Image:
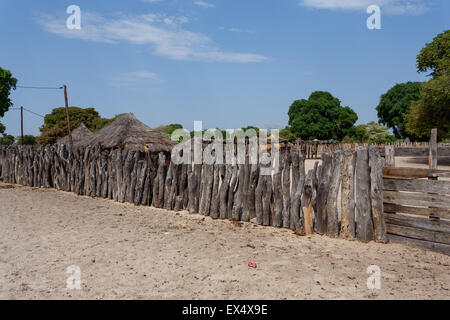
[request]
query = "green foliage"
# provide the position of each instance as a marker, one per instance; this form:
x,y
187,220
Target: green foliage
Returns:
x,y
55,123
6,140
28,140
395,104
168,129
435,55
7,83
432,110
2,128
320,117
371,132
287,134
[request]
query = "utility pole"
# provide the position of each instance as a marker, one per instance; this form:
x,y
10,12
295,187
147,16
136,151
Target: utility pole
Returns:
x,y
21,125
67,115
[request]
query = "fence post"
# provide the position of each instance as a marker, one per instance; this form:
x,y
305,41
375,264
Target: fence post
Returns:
x,y
389,156
432,157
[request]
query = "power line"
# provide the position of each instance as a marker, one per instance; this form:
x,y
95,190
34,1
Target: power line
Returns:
x,y
36,114
44,88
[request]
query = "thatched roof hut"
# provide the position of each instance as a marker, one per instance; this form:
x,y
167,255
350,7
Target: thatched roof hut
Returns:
x,y
78,135
128,132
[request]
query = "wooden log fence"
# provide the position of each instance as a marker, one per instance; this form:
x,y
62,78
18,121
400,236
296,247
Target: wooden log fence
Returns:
x,y
290,197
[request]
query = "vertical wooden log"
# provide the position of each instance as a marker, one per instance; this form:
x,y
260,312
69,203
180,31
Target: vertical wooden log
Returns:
x,y
348,196
298,181
158,186
307,201
246,190
223,191
238,200
206,188
259,193
219,173
433,156
168,185
376,194
146,193
389,156
277,196
286,189
120,157
182,185
333,225
322,194
364,224
232,191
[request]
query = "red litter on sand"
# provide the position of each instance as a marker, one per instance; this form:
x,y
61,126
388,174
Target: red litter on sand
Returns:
x,y
252,265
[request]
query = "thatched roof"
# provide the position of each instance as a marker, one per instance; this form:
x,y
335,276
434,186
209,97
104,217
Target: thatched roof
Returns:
x,y
78,135
128,132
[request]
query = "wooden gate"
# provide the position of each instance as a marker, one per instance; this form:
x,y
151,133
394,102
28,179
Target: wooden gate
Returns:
x,y
416,206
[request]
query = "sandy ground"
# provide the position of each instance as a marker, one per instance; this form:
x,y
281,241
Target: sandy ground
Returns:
x,y
130,252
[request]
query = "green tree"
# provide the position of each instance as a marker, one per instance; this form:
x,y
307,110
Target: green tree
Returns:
x,y
2,128
6,140
28,139
432,110
7,83
395,104
435,55
320,117
55,123
371,132
168,129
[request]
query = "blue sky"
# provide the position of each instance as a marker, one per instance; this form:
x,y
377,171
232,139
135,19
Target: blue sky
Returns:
x,y
230,63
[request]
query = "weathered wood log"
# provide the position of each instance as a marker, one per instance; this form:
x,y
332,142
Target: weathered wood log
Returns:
x,y
219,173
420,223
431,186
140,184
259,194
286,189
389,156
322,194
298,182
253,182
348,196
131,174
436,212
232,191
364,223
182,185
427,245
246,191
277,196
223,191
432,157
267,199
333,222
206,188
238,200
194,188
120,158
158,186
295,202
307,205
376,194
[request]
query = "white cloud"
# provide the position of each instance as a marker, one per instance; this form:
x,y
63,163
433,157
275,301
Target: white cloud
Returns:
x,y
132,79
204,4
165,34
399,7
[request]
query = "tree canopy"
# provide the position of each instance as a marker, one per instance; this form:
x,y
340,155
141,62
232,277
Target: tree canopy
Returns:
x,y
395,104
371,132
55,123
7,83
432,110
321,117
